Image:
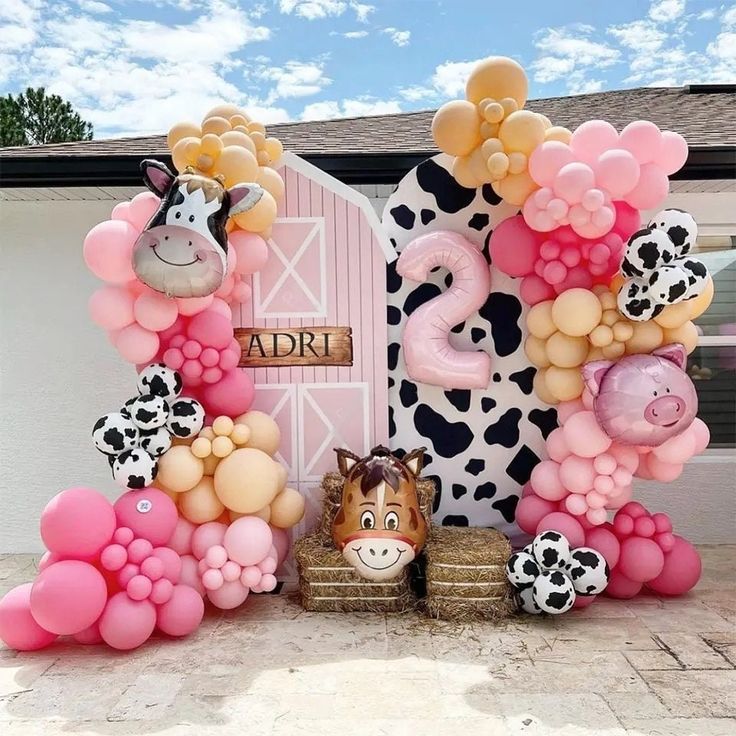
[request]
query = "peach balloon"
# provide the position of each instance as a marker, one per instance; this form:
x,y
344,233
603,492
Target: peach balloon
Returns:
x,y
577,312
216,124
515,188
497,77
237,165
564,384
265,434
456,128
522,131
179,470
541,389
674,315
237,138
700,303
566,351
287,508
247,480
201,504
271,181
274,148
647,336
184,129
259,217
686,335
226,110
185,152
539,320
536,350
264,513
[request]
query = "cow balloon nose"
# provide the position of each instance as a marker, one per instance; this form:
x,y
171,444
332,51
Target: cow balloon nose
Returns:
x,y
665,410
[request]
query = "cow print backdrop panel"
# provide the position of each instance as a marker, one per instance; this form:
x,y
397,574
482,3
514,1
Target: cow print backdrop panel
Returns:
x,y
482,444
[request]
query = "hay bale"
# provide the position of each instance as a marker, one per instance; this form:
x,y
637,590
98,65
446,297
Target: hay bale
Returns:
x,y
466,579
328,583
332,495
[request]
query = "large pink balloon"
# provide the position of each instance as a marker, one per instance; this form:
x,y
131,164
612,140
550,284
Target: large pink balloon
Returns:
x,y
681,570
641,559
584,436
546,160
181,539
77,522
136,344
125,623
232,395
592,138
248,540
577,474
651,190
182,613
617,171
207,535
514,247
604,541
68,596
18,628
531,510
643,139
190,574
111,307
251,251
566,525
155,311
545,480
194,305
149,512
108,250
429,356
672,152
619,586
230,595
572,181
141,209
211,329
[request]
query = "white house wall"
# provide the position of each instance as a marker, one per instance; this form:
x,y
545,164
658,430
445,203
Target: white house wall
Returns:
x,y
58,372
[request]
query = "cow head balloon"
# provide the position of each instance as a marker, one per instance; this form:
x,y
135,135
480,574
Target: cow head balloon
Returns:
x,y
182,252
643,399
379,527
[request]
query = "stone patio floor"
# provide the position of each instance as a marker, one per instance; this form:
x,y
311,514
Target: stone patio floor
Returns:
x,y
647,666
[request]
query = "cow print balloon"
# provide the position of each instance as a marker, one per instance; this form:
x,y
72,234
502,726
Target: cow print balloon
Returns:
x,y
186,418
134,469
588,571
155,441
159,380
647,249
521,570
553,592
551,550
680,227
125,411
525,601
149,412
114,433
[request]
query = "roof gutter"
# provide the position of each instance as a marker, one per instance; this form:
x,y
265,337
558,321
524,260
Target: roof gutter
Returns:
x,y
706,162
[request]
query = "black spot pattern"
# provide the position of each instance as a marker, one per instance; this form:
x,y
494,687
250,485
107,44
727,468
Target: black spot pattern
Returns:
x,y
455,520
479,220
505,431
393,280
458,491
393,315
486,490
477,334
545,419
427,216
475,466
490,195
503,312
393,355
403,216
422,294
448,438
507,507
524,379
408,393
391,422
520,468
459,398
557,600
487,403
448,194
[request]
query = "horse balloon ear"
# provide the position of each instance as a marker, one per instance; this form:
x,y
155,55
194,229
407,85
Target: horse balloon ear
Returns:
x,y
346,460
157,177
244,197
414,461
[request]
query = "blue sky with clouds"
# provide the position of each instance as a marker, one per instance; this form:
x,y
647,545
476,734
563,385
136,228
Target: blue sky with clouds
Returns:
x,y
137,66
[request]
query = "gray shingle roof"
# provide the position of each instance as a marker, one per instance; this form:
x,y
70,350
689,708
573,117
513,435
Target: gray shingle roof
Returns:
x,y
704,115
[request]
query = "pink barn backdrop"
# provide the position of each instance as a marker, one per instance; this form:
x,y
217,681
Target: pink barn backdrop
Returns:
x,y
327,267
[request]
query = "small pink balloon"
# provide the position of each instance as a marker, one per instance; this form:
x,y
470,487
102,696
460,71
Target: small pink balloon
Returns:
x,y
545,480
619,586
152,568
171,562
48,558
216,556
566,525
230,595
596,500
190,574
108,250
268,566
583,601
111,307
644,527
241,293
206,536
136,344
142,208
531,510
535,289
18,629
661,522
181,539
268,582
231,396
77,522
114,557
605,542
651,190
161,591
584,436
546,160
174,358
576,504
139,587
191,369
149,512
223,292
251,576
211,375
251,251
603,484
123,535
189,306
191,349
155,311
681,570
120,211
666,541
212,579
641,559
88,636
577,474
230,571
138,550
210,329
209,357
68,596
596,516
672,152
127,573
605,464
592,138
248,540
125,623
182,613
572,181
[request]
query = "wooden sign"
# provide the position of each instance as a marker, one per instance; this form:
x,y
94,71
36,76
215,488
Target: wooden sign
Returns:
x,y
276,348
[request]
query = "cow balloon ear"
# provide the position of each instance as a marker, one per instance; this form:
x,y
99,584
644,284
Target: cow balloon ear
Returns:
x,y
414,461
674,352
157,177
244,197
593,374
346,460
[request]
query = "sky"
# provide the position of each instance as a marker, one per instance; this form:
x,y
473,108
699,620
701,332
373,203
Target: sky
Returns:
x,y
136,67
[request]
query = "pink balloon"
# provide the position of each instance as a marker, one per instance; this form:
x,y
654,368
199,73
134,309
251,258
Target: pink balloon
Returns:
x,y
628,220
251,251
592,138
111,307
108,250
222,308
681,570
643,139
211,329
545,480
514,247
604,541
566,525
531,510
281,543
566,409
267,584
181,539
207,535
672,152
141,209
125,623
678,449
429,356
68,596
535,289
702,435
190,574
248,540
171,562
251,576
194,305
641,559
155,312
149,512
182,613
617,171
556,446
584,436
661,470
88,636
18,628
241,293
47,559
136,344
572,181
223,292
583,601
77,522
577,474
546,160
651,190
619,586
230,595
231,396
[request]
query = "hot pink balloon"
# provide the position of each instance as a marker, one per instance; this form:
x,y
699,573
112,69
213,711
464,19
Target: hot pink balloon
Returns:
x,y
651,190
221,307
231,396
251,251
88,636
604,541
149,512
535,289
68,596
592,138
619,586
583,601
190,574
681,570
170,560
211,329
111,307
136,344
514,247
181,539
531,510
229,596
155,312
18,629
672,153
248,540
427,351
108,250
125,623
546,160
628,220
182,613
566,525
641,559
617,171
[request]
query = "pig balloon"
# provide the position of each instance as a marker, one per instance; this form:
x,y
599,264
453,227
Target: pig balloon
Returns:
x,y
643,399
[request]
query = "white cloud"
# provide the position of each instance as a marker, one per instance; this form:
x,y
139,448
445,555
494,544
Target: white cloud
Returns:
x,y
295,79
708,14
362,11
577,84
313,9
729,17
349,108
664,11
640,35
400,38
417,92
93,6
450,77
18,24
355,34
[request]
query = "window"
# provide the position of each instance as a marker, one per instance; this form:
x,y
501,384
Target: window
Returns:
x,y
712,365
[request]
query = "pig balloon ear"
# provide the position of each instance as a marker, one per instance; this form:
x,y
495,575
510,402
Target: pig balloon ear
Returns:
x,y
157,177
414,461
593,374
346,460
674,352
244,197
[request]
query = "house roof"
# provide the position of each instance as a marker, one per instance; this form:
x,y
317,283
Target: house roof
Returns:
x,y
365,148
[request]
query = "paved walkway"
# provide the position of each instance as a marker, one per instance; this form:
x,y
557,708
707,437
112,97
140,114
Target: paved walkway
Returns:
x,y
649,666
